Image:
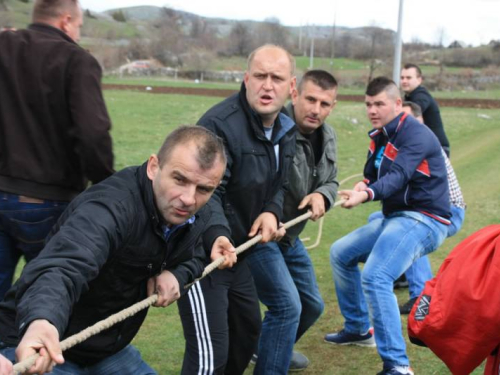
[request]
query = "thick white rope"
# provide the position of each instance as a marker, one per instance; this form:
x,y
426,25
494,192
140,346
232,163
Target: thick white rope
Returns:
x,y
71,341
320,224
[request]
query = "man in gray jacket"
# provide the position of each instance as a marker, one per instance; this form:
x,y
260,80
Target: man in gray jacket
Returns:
x,y
286,282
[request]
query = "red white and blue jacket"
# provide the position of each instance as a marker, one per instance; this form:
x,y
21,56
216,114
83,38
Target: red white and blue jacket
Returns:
x,y
411,173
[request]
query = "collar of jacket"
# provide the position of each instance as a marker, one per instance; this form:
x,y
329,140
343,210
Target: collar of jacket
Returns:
x,y
48,29
146,186
417,90
391,128
283,124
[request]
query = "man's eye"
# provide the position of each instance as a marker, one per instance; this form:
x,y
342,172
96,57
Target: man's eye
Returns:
x,y
204,190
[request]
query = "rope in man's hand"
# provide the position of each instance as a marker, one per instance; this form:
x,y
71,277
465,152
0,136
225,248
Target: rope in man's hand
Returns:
x,y
25,365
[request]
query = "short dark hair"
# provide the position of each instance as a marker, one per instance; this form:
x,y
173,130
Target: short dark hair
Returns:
x,y
209,145
379,84
414,66
320,78
416,110
52,9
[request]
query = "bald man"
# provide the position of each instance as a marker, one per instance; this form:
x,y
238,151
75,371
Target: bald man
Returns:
x,y
221,313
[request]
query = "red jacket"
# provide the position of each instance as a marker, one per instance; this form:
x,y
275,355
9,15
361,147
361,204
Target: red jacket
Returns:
x,y
458,313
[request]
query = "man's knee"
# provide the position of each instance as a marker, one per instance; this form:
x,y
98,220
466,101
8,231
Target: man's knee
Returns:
x,y
313,308
375,278
339,254
286,305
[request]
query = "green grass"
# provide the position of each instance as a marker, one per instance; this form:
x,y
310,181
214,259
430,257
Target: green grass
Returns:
x,y
469,94
168,82
141,121
326,63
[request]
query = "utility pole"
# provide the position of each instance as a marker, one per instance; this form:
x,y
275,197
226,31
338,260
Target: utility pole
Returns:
x,y
311,52
332,54
396,72
300,37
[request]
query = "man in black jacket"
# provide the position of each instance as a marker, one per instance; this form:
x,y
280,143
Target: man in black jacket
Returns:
x,y
54,128
411,84
104,253
221,314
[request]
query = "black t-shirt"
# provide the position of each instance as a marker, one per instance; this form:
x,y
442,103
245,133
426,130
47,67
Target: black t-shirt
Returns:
x,y
316,140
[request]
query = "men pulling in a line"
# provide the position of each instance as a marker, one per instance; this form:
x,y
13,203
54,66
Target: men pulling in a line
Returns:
x,y
283,271
405,170
221,313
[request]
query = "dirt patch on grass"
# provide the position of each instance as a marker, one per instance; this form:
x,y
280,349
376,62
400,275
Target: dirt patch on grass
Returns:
x,y
462,103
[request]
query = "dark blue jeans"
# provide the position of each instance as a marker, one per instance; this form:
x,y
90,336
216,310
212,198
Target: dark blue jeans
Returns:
x,y
287,285
127,361
23,228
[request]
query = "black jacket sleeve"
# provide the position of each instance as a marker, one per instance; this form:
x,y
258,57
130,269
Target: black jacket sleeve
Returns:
x,y
91,123
54,281
219,225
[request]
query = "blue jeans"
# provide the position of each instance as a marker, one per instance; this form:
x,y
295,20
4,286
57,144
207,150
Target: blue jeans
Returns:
x,y
23,228
127,361
387,247
420,271
286,284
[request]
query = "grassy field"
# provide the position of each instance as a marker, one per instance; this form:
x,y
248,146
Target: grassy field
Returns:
x,y
170,82
141,121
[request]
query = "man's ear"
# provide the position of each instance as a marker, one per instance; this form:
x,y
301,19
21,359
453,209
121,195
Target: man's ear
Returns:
x,y
293,84
295,96
64,21
153,167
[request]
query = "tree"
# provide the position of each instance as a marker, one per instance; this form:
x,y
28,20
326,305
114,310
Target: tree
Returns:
x,y
167,39
119,16
240,39
88,14
271,31
199,60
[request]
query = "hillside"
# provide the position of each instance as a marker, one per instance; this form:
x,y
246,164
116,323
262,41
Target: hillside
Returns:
x,y
223,26
15,13
195,45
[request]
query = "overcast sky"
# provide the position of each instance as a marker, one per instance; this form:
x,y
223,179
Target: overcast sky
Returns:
x,y
471,21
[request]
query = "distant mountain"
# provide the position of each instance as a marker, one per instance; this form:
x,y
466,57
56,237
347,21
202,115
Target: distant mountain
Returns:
x,y
223,26
138,13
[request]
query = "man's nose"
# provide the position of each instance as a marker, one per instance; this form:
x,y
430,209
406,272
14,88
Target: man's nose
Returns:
x,y
316,108
268,83
188,196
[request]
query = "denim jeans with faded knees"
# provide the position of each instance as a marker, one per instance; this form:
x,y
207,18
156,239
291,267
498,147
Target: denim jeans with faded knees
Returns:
x,y
420,271
23,228
127,361
286,285
387,247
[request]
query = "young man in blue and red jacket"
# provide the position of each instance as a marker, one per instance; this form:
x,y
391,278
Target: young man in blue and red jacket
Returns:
x,y
406,171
